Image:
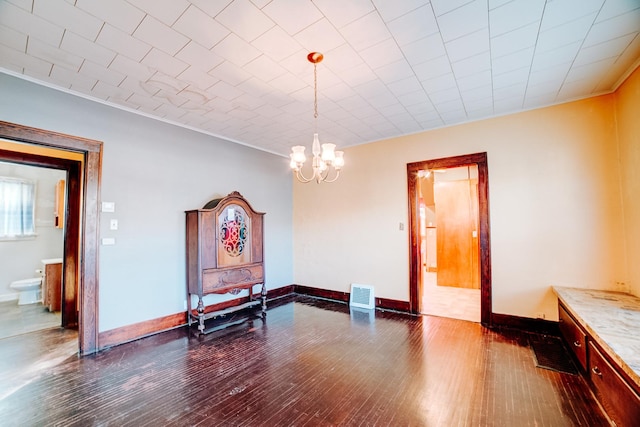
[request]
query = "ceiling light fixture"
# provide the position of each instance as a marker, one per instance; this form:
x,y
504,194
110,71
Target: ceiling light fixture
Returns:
x,y
324,159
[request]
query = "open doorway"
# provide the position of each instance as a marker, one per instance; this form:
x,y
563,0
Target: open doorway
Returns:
x,y
80,261
449,246
461,274
31,248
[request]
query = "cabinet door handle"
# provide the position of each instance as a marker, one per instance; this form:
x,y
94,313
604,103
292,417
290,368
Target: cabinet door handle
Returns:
x,y
596,371
577,344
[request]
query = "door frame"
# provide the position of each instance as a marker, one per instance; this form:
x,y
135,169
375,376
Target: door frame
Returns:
x,y
81,224
415,270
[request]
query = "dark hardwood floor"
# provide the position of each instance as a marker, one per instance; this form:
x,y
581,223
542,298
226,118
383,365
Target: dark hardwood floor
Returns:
x,y
309,364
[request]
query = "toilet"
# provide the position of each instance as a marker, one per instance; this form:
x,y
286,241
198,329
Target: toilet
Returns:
x,y
28,290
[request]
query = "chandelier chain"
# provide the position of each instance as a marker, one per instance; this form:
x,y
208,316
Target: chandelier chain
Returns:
x,y
315,91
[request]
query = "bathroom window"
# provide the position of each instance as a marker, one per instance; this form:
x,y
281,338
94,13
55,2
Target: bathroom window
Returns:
x,y
17,208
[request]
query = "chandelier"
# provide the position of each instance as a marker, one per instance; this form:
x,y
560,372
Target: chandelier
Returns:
x,y
324,160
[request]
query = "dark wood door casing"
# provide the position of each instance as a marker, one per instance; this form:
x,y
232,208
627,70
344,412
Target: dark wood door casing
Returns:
x,y
415,275
82,220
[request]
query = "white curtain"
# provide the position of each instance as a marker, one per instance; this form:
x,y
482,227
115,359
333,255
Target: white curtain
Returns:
x,y
16,207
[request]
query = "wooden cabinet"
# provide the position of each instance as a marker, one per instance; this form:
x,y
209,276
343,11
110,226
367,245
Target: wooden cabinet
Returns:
x,y
620,402
619,399
224,255
574,336
52,284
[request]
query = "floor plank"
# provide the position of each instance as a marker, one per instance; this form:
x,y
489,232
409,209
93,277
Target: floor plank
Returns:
x,y
310,364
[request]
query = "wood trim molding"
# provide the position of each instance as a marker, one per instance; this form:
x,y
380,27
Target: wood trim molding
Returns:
x,y
136,331
81,233
538,326
415,270
382,303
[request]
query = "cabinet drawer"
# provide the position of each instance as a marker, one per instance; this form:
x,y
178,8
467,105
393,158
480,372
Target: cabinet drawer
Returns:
x,y
620,402
224,280
575,337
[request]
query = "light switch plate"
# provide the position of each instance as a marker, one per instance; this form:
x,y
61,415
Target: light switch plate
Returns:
x,y
108,207
108,241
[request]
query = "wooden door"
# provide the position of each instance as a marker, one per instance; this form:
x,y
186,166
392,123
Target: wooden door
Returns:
x,y
457,236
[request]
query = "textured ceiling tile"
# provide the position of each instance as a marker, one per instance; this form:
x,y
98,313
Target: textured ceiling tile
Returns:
x,y
393,72
424,50
244,19
264,68
199,57
445,81
444,6
612,8
342,12
366,31
200,27
54,55
13,39
82,47
236,50
510,78
560,55
381,54
320,36
292,16
79,81
277,44
167,64
390,10
604,50
118,13
230,73
20,60
160,36
614,28
472,81
514,15
471,65
464,20
358,75
562,35
414,25
211,8
19,20
119,41
72,18
514,41
516,60
128,67
434,68
469,45
407,85
561,12
99,72
198,78
166,11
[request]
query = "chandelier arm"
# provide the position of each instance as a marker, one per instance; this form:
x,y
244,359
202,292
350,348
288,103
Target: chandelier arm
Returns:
x,y
300,176
329,181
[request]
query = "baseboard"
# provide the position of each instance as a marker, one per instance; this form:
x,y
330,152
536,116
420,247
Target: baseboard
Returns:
x,y
9,297
382,303
527,324
136,331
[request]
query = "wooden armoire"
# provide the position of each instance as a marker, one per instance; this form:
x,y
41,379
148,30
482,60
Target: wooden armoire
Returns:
x,y
224,255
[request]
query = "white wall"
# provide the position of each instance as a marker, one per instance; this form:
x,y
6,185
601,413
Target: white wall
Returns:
x,y
554,198
153,172
19,259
